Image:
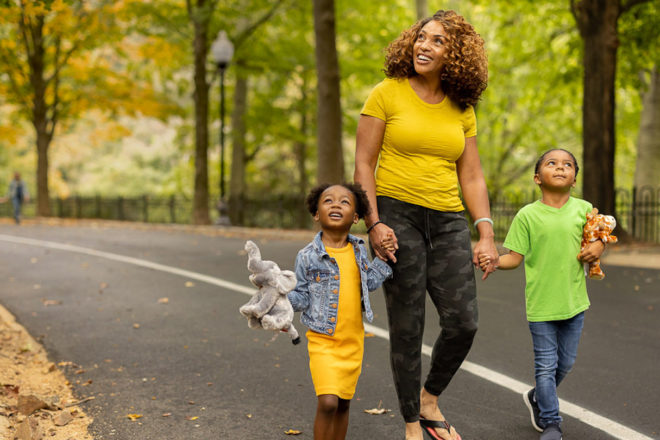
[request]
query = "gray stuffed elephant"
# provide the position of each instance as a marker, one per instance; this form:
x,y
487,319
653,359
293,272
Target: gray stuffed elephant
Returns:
x,y
269,308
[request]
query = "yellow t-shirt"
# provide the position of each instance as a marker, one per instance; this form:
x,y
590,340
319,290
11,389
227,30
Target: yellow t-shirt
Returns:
x,y
422,142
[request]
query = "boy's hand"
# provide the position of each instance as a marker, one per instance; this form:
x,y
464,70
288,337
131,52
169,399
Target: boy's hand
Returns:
x,y
591,252
484,261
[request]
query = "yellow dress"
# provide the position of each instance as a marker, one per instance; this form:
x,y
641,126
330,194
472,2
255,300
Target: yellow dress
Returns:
x,y
336,361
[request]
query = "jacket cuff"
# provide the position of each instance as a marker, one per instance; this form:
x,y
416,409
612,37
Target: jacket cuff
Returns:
x,y
382,267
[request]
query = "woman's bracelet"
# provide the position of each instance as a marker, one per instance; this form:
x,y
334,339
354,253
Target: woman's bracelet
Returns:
x,y
482,219
372,226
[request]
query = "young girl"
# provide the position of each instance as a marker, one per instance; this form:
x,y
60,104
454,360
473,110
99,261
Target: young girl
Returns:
x,y
334,279
547,235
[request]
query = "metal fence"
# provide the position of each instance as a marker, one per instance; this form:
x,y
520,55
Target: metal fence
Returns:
x,y
638,211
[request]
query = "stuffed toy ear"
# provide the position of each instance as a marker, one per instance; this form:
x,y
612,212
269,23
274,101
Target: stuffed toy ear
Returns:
x,y
286,282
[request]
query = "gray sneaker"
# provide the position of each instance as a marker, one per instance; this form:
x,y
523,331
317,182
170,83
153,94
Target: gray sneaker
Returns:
x,y
530,402
551,432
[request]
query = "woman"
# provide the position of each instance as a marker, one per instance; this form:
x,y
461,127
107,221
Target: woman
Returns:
x,y
419,126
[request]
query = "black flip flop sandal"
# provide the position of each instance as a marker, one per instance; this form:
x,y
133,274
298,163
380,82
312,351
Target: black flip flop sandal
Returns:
x,y
429,427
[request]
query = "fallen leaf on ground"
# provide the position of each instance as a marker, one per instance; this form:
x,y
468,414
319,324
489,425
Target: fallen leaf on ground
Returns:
x,y
51,302
62,419
293,432
378,410
9,389
190,284
192,418
163,300
136,325
134,417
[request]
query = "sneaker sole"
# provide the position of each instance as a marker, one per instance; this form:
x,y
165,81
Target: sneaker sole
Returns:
x,y
531,411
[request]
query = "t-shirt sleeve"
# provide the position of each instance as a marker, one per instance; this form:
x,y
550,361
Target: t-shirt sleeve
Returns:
x,y
517,239
470,122
375,104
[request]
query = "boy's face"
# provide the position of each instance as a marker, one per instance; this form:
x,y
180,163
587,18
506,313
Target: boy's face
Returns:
x,y
557,171
336,209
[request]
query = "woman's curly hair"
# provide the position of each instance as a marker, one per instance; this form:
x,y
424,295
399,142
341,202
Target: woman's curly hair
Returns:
x,y
465,73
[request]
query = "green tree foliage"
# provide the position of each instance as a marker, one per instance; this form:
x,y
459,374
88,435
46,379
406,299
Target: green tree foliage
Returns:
x,y
146,59
532,100
58,62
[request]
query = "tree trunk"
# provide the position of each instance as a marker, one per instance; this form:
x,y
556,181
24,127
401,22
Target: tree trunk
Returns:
x,y
648,143
43,193
40,119
300,151
201,96
238,159
597,22
647,178
422,9
330,154
300,146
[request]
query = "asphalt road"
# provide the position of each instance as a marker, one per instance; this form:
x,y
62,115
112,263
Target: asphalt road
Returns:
x,y
195,360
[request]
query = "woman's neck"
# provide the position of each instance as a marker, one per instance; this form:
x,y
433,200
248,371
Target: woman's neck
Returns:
x,y
427,88
334,239
555,199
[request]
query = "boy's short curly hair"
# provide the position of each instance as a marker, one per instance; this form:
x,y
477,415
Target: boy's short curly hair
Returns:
x,y
537,167
465,74
362,207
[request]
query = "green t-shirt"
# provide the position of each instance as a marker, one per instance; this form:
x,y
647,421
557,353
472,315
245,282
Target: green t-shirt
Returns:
x,y
549,239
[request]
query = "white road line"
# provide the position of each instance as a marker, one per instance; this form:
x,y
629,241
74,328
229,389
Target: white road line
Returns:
x,y
611,427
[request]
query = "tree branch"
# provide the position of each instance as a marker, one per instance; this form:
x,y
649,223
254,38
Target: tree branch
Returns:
x,y
627,6
14,85
240,39
22,28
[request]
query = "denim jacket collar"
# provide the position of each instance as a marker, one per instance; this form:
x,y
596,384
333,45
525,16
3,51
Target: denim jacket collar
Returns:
x,y
319,247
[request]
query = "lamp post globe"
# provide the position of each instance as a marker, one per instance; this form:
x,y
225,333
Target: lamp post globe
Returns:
x,y
222,50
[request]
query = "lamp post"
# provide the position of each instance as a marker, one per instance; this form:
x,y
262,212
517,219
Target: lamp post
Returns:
x,y
221,51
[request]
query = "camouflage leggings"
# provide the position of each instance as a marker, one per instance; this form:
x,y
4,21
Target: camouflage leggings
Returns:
x,y
434,255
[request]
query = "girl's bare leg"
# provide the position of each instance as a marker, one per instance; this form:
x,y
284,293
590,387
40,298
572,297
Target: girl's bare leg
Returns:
x,y
331,422
341,419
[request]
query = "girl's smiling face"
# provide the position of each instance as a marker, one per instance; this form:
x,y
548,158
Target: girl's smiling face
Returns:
x,y
336,208
556,170
430,48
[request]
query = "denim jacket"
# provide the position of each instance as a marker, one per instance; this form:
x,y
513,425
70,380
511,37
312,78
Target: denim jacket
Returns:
x,y
317,291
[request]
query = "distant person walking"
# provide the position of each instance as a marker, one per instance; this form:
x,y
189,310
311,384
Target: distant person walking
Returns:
x,y
18,194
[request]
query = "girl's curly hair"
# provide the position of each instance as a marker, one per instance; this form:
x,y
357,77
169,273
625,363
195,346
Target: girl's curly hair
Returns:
x,y
465,73
362,207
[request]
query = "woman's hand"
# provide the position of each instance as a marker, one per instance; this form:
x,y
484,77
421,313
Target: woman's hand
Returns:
x,y
486,250
384,242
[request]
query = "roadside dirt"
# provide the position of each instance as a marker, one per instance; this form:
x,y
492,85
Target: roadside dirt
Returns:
x,y
36,401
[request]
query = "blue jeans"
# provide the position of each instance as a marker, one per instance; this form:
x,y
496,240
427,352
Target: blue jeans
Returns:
x,y
16,202
555,350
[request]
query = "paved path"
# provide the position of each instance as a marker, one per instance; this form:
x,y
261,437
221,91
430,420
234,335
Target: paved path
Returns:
x,y
195,357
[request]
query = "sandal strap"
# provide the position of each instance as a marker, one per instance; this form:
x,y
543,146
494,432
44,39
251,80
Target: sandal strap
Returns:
x,y
443,424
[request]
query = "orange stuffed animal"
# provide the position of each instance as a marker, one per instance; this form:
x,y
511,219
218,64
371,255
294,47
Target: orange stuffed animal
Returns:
x,y
598,227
